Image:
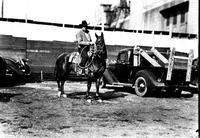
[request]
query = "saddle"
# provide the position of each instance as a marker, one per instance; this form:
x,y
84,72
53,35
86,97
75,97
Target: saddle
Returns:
x,y
75,58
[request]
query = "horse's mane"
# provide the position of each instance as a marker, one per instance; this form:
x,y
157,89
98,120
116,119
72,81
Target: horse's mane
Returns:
x,y
62,55
101,48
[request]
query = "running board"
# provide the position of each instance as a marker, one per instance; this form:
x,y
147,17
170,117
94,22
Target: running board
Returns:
x,y
123,84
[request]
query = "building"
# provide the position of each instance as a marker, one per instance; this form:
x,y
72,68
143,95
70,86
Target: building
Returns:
x,y
116,16
164,15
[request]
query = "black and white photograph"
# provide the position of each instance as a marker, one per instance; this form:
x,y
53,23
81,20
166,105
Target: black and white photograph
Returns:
x,y
99,69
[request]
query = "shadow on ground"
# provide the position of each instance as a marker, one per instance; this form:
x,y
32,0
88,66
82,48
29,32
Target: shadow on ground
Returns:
x,y
158,94
5,97
105,96
173,95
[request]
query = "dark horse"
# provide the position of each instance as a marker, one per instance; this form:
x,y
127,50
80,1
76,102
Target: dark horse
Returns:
x,y
96,67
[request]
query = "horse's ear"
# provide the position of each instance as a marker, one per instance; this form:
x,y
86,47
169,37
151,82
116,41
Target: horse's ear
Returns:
x,y
102,34
96,35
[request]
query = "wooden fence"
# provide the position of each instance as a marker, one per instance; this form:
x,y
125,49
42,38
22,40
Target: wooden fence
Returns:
x,y
42,54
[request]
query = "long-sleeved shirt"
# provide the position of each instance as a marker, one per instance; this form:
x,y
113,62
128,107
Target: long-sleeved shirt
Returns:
x,y
83,38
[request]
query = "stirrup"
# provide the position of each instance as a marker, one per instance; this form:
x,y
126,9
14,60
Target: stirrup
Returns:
x,y
79,71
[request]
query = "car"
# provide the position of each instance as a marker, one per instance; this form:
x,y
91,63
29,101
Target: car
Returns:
x,y
17,70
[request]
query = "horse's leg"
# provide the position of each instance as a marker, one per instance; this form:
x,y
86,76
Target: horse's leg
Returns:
x,y
97,90
62,88
59,88
58,83
89,83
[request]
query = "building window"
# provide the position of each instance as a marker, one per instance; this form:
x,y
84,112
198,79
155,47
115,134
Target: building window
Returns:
x,y
174,19
122,57
168,21
182,17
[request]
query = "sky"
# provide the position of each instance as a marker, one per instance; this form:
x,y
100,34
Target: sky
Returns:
x,y
62,11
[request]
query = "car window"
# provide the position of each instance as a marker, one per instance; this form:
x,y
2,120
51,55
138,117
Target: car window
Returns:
x,y
122,57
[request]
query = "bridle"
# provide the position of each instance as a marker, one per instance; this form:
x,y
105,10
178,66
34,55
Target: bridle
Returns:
x,y
94,52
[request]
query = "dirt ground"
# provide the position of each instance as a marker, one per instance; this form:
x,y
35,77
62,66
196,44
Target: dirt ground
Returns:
x,y
34,110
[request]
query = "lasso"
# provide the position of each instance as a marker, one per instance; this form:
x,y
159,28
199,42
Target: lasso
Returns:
x,y
93,51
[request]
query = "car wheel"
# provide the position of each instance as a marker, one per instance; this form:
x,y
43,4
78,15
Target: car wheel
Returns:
x,y
141,88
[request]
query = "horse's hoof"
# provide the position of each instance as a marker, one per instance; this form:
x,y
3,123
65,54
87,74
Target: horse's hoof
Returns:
x,y
59,94
64,95
89,100
100,100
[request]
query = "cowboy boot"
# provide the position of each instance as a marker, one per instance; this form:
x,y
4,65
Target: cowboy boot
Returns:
x,y
79,71
83,72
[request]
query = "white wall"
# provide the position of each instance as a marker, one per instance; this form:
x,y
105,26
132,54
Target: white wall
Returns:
x,y
50,33
136,15
193,16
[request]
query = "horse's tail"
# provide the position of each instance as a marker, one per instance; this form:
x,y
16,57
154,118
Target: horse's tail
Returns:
x,y
60,63
56,70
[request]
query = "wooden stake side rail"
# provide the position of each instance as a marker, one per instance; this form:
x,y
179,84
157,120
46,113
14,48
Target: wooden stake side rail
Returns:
x,y
171,64
159,55
189,65
181,61
149,59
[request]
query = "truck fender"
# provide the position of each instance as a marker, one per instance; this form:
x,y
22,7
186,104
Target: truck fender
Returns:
x,y
150,77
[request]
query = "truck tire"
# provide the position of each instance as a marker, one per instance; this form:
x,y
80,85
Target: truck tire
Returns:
x,y
141,86
144,83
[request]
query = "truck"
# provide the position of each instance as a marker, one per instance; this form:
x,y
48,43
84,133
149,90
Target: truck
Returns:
x,y
150,69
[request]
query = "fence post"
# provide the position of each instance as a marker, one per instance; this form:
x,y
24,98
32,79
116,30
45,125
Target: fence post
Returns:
x,y
41,75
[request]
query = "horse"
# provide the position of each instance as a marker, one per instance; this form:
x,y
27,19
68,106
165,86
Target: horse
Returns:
x,y
96,67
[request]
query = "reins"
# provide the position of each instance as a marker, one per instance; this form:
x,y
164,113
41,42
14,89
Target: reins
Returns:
x,y
93,53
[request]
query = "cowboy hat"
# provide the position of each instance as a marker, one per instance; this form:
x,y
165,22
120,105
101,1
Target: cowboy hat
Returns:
x,y
84,24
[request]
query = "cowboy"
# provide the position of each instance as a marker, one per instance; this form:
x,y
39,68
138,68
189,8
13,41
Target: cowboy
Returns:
x,y
84,41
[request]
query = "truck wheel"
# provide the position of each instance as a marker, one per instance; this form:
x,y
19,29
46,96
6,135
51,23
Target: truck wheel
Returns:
x,y
141,88
102,82
144,83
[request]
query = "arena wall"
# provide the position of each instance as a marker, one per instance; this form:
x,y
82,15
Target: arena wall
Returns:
x,y
42,43
42,54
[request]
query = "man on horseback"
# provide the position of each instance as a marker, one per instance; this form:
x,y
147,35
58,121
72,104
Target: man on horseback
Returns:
x,y
96,66
84,41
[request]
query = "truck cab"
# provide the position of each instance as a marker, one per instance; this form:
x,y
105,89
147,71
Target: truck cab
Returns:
x,y
123,65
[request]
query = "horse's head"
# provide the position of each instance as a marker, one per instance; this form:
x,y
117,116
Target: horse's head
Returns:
x,y
100,46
